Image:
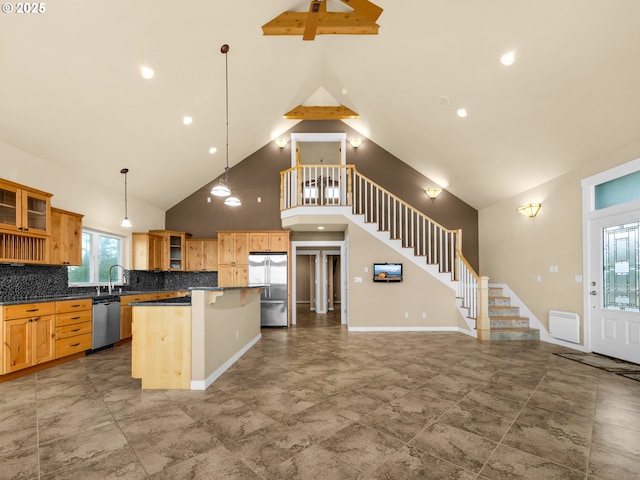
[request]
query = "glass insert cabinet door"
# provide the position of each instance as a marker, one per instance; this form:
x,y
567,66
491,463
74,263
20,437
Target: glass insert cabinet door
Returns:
x,y
24,210
621,267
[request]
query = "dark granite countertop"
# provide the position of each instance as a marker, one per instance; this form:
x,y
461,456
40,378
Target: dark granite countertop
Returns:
x,y
222,289
103,295
166,302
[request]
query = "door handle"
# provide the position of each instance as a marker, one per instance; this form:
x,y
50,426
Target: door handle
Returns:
x,y
593,292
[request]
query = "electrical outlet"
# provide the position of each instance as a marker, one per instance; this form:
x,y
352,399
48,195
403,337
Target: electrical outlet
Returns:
x,y
424,314
406,314
237,334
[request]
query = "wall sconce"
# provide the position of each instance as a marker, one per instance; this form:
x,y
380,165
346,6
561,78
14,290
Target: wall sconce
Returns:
x,y
355,142
530,210
432,193
281,142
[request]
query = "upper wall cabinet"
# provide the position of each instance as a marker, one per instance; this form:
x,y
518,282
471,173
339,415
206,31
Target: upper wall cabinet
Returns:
x,y
24,209
159,250
277,241
147,251
202,255
66,238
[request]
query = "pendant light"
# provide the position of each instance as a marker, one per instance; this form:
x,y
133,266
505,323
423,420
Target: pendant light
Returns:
x,y
125,221
223,189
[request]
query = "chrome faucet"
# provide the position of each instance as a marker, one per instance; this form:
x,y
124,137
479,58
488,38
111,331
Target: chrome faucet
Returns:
x,y
110,268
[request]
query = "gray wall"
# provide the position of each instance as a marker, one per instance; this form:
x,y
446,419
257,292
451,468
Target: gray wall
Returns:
x,y
259,176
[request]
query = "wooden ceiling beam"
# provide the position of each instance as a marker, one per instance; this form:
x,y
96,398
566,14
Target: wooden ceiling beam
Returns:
x,y
302,112
329,23
312,21
365,8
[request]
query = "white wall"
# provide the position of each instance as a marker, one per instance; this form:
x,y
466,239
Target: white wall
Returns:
x,y
381,305
103,208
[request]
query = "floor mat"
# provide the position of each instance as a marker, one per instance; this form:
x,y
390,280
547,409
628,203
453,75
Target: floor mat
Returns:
x,y
613,365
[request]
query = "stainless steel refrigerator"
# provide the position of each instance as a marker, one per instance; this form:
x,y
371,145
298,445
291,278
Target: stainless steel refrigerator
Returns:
x,y
271,269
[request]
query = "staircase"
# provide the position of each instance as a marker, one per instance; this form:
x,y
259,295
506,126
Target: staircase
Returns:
x,y
506,322
435,248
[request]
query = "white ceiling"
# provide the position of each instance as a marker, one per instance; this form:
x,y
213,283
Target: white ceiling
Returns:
x,y
71,92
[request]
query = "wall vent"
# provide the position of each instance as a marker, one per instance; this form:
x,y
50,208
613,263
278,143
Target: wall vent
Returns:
x,y
564,326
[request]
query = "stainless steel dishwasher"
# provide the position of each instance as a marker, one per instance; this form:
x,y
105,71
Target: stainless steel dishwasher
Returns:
x,y
106,322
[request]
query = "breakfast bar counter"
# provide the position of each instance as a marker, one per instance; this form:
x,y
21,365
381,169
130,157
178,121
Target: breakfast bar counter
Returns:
x,y
188,342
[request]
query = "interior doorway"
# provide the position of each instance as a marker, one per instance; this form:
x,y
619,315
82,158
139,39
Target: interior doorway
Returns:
x,y
319,279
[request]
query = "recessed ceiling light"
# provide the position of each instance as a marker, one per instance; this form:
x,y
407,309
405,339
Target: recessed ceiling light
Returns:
x,y
187,120
320,227
508,58
213,150
462,112
146,72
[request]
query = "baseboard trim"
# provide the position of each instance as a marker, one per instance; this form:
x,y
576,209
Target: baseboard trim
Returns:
x,y
204,384
409,329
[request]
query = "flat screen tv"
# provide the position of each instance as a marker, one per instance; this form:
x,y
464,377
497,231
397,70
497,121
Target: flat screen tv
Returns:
x,y
387,272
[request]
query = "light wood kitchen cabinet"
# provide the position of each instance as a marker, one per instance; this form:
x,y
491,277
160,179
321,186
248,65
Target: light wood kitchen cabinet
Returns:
x,y
147,251
202,255
174,250
24,209
29,335
269,241
159,250
233,259
66,238
73,326
126,317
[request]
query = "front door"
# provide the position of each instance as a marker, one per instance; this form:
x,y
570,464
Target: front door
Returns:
x,y
614,290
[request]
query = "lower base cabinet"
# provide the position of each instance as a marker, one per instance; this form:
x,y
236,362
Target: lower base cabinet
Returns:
x,y
126,313
28,342
29,335
73,326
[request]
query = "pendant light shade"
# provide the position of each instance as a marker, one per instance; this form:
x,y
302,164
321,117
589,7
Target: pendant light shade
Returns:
x,y
223,188
125,221
232,201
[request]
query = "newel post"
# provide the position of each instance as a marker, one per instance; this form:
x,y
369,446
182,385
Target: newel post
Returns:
x,y
483,325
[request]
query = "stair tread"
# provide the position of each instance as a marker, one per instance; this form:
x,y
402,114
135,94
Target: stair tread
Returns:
x,y
515,329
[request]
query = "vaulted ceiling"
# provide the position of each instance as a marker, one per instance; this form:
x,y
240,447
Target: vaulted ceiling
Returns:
x,y
71,90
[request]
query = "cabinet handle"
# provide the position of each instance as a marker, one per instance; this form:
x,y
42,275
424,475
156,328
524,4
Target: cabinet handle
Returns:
x,y
75,306
33,310
75,318
75,330
74,345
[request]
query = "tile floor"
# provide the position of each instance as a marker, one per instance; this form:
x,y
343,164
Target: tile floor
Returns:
x,y
317,402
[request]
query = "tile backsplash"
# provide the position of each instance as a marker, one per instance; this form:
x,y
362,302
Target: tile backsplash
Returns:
x,y
38,281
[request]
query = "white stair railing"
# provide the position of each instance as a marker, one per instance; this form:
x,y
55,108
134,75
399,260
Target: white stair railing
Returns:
x,y
342,185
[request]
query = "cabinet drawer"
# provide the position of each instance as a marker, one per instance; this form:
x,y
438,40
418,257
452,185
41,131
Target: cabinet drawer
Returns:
x,y
72,318
73,330
23,310
71,345
73,305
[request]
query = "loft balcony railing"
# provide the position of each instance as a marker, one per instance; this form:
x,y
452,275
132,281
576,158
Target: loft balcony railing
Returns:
x,y
343,186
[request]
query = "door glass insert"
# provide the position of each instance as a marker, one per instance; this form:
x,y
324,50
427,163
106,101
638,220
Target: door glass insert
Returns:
x,y
621,267
36,213
8,207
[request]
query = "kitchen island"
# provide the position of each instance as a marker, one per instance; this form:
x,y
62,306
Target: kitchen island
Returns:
x,y
188,342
